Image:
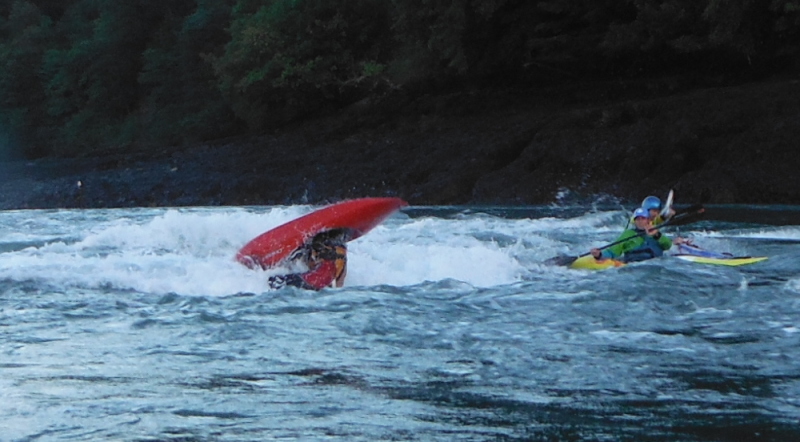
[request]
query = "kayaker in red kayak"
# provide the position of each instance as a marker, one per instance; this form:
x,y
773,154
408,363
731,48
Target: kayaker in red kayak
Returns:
x,y
326,259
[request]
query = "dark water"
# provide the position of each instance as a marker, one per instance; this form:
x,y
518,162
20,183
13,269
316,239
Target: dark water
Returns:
x,y
138,325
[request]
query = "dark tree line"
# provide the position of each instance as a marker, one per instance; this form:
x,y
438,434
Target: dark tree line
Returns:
x,y
84,76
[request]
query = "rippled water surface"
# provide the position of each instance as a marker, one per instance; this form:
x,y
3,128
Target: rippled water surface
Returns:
x,y
139,325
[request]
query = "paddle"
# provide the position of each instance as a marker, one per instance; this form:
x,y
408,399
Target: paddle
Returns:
x,y
685,216
668,204
678,219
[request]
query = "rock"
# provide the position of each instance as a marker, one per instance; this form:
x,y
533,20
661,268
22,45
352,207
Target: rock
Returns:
x,y
717,145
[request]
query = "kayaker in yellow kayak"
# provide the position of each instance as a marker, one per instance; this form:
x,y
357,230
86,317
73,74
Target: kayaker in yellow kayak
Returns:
x,y
653,206
645,242
654,209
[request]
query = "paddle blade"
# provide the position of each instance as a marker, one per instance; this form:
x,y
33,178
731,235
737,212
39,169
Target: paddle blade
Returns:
x,y
668,204
687,215
561,260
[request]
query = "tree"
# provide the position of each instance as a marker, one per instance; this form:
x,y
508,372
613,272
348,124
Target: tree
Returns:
x,y
287,58
182,101
721,35
26,34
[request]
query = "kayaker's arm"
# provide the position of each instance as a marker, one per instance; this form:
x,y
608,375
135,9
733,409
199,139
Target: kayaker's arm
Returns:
x,y
663,241
621,246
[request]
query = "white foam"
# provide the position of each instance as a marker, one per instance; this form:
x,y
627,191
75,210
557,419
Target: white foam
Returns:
x,y
381,262
774,233
191,251
174,251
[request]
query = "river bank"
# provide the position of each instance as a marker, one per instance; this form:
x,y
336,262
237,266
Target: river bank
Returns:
x,y
584,142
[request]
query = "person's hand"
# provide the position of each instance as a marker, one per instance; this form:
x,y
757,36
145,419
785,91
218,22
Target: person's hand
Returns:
x,y
596,253
652,231
678,241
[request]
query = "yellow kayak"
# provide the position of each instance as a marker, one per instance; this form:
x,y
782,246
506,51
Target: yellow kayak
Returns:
x,y
732,261
693,253
589,263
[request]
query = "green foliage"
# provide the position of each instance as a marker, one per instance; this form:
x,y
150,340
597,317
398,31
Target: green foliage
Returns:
x,y
286,57
91,81
86,75
660,28
723,32
372,69
735,24
429,33
26,33
496,39
787,27
435,27
567,34
182,103
21,52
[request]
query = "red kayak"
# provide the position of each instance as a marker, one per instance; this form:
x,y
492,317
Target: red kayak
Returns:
x,y
357,217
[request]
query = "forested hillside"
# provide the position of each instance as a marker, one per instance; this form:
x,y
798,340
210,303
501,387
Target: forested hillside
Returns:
x,y
86,77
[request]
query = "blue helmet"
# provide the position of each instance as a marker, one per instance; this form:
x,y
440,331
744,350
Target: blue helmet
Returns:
x,y
651,202
641,211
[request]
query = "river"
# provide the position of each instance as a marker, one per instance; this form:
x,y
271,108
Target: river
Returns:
x,y
138,324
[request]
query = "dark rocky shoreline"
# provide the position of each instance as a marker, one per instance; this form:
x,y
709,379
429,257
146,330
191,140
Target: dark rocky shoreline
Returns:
x,y
725,144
